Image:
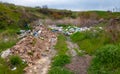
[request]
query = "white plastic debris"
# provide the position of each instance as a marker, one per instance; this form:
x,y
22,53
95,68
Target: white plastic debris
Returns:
x,y
5,53
14,68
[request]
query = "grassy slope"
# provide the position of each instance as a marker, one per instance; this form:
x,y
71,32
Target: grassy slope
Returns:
x,y
103,14
10,16
89,41
11,21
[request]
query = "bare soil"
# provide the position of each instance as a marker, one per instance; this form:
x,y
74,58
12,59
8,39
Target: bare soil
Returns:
x,y
79,64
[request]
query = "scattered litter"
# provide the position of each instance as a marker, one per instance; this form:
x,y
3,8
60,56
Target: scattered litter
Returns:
x,y
70,29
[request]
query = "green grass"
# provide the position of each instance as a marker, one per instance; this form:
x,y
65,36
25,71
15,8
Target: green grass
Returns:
x,y
59,70
106,53
14,17
11,37
5,45
15,60
61,59
106,60
61,45
89,41
79,52
6,66
100,14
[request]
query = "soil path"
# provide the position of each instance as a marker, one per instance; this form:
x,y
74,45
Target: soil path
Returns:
x,y
79,64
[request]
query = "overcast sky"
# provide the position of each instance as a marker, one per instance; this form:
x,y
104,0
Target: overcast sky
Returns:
x,y
78,5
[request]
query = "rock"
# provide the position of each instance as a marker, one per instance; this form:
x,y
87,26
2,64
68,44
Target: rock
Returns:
x,y
5,53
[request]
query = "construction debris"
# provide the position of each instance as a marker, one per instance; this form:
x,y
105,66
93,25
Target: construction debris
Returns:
x,y
34,45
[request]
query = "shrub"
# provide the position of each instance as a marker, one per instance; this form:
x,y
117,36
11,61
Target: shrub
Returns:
x,y
61,60
15,60
107,60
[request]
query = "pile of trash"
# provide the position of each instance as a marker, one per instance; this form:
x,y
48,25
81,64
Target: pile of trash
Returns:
x,y
33,46
23,33
27,49
73,29
70,29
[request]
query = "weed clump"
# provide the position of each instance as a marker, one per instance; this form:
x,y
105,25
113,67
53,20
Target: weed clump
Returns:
x,y
59,70
61,60
15,60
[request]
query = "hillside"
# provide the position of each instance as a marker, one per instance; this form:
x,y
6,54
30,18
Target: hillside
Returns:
x,y
17,16
40,40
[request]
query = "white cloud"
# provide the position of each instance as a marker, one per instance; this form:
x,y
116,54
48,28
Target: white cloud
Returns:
x,y
70,4
38,2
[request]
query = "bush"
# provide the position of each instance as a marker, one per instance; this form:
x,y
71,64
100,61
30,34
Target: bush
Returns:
x,y
15,60
107,60
109,54
59,70
61,60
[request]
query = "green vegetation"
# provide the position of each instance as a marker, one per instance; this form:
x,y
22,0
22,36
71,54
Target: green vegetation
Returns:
x,y
88,40
59,70
99,14
7,39
79,52
99,44
61,59
14,61
5,45
93,42
61,45
11,21
106,61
